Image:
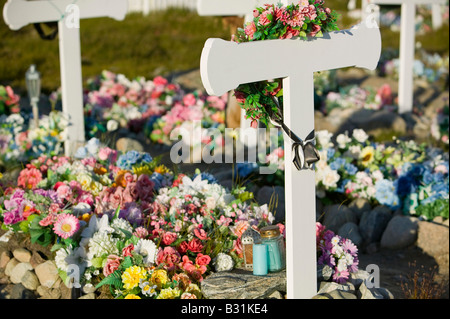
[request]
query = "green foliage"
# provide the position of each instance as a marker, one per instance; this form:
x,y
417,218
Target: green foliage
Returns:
x,y
439,207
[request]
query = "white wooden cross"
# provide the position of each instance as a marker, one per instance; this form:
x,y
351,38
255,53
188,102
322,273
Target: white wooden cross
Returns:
x,y
19,13
407,46
237,8
225,64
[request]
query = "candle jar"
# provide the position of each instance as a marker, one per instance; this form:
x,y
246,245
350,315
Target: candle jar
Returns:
x,y
272,238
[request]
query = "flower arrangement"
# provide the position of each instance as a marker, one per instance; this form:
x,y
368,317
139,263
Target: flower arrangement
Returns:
x,y
9,101
128,222
353,96
20,141
401,175
306,19
340,254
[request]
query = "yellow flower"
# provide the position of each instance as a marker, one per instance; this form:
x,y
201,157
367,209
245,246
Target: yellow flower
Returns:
x,y
142,169
159,277
132,296
367,155
195,290
169,293
161,169
132,275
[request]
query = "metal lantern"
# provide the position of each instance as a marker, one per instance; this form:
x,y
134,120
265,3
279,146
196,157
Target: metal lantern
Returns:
x,y
33,82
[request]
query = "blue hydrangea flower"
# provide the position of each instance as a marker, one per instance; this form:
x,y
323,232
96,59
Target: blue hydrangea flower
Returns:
x,y
385,193
207,176
245,169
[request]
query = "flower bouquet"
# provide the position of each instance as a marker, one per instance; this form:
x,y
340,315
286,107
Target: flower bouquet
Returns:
x,y
306,19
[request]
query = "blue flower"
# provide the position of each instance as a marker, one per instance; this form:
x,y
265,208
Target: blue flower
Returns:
x,y
385,193
132,156
405,185
245,169
209,177
350,168
330,152
337,163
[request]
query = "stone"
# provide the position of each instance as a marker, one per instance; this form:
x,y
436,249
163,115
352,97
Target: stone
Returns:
x,y
401,232
324,272
30,280
276,295
339,294
385,293
351,231
88,288
20,292
324,296
337,215
47,273
373,224
88,296
368,293
326,287
23,255
125,144
433,238
358,277
19,271
10,266
48,293
242,284
359,206
36,259
5,257
268,194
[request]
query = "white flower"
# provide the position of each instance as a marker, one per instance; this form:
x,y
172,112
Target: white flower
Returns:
x,y
360,135
223,262
324,138
112,125
95,225
69,260
193,186
102,243
147,249
120,223
330,178
343,140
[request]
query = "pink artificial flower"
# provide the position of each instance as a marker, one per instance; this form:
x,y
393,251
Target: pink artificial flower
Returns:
x,y
202,260
315,29
159,80
168,257
13,98
189,99
195,245
112,264
263,19
126,252
66,225
168,238
297,19
140,232
200,233
250,30
29,177
64,192
50,219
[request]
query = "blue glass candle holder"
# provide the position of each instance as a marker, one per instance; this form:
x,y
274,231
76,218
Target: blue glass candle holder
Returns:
x,y
260,260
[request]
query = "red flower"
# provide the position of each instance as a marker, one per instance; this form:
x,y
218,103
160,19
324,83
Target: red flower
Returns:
x,y
195,245
126,252
168,238
202,260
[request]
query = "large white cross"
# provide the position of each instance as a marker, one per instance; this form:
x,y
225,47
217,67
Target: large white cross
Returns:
x,y
236,8
407,46
224,65
19,13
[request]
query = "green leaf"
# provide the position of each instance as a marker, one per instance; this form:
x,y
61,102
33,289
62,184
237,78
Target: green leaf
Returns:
x,y
114,280
98,262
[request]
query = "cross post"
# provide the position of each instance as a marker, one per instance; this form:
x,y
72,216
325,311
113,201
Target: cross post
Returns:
x,y
224,65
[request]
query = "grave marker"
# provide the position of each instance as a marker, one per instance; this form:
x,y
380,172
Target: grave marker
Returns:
x,y
225,65
407,48
19,13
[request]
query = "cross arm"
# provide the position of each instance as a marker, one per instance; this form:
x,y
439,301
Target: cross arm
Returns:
x,y
19,13
225,64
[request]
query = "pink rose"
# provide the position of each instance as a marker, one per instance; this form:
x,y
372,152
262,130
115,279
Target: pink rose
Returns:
x,y
315,29
168,238
250,30
64,192
112,264
168,257
189,99
195,245
202,260
200,233
126,252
